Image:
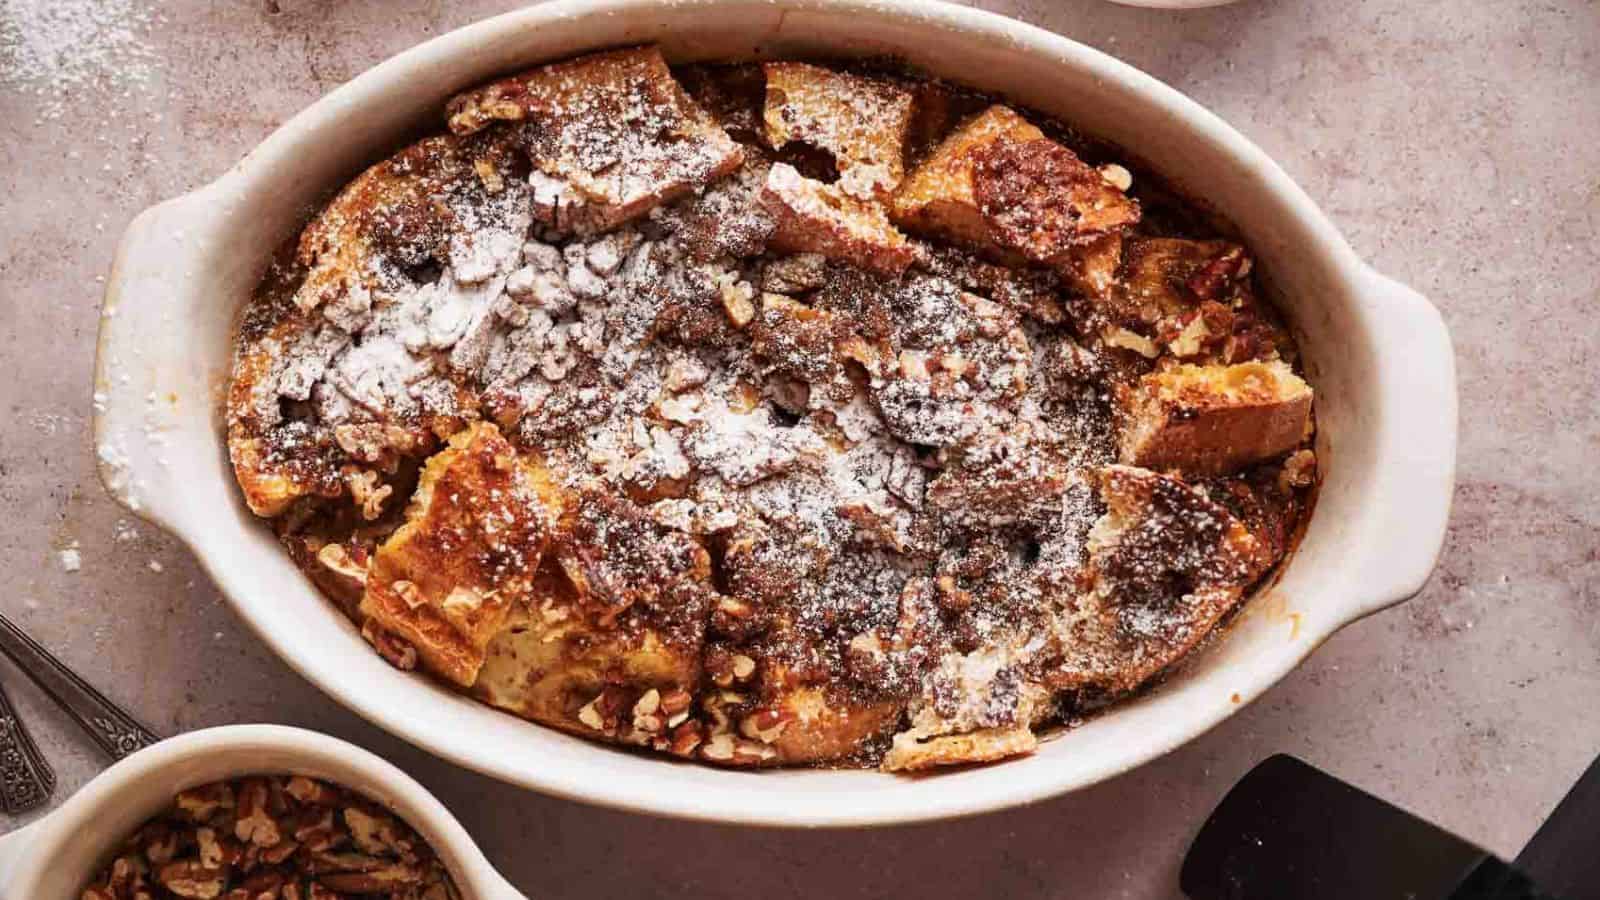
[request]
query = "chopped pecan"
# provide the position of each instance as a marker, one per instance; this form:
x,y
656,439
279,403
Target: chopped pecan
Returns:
x,y
310,792
193,879
377,881
201,803
160,843
273,838
371,833
254,822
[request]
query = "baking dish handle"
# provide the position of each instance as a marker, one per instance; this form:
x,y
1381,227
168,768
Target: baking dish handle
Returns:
x,y
137,373
1416,433
499,888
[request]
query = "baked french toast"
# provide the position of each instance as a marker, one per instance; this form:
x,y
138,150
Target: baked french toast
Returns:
x,y
772,414
1214,420
999,184
610,136
474,536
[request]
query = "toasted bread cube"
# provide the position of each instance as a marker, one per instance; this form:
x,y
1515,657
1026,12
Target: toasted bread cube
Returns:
x,y
1000,185
1211,420
861,122
551,661
1166,563
940,197
827,727
272,481
475,532
976,707
813,217
1007,477
776,716
267,492
611,136
391,211
911,752
618,609
1092,267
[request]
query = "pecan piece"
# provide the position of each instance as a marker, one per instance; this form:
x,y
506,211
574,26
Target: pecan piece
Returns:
x,y
311,792
254,823
378,881
193,880
201,803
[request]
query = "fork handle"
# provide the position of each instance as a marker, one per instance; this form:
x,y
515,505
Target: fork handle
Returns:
x,y
26,779
117,733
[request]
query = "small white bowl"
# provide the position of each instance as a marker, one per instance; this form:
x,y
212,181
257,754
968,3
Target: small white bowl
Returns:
x,y
53,858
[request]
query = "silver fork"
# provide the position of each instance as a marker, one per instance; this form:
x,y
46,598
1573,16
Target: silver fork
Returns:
x,y
26,779
117,733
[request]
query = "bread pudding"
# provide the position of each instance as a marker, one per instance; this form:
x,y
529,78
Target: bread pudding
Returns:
x,y
772,414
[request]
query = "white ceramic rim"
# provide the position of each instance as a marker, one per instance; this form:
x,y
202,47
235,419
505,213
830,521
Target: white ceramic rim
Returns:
x,y
1411,427
1174,4
27,856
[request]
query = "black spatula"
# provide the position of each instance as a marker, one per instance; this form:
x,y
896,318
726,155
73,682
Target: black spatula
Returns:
x,y
1288,831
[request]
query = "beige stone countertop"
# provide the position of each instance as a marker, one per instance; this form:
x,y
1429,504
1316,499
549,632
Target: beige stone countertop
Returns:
x,y
1454,142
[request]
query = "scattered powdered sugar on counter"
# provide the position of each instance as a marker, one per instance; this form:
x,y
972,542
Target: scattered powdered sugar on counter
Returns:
x,y
115,471
57,49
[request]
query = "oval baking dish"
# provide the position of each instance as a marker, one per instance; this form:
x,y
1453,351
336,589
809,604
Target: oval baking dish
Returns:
x,y
1377,353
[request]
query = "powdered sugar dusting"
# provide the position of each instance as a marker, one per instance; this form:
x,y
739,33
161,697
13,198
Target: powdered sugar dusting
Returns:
x,y
882,484
59,49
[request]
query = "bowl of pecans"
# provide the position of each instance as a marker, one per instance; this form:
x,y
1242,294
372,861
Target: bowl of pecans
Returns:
x,y
249,812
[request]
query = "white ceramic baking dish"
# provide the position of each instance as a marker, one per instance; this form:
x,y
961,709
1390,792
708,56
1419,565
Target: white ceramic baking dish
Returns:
x,y
53,858
1377,353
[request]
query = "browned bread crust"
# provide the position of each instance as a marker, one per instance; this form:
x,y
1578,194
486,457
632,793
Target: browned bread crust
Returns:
x,y
1211,420
269,483
861,122
813,217
1165,565
613,134
1000,185
476,531
913,754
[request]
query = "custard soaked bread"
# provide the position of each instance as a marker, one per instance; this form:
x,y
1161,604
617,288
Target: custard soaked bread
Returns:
x,y
467,554
1165,564
999,184
771,414
1214,420
609,137
861,124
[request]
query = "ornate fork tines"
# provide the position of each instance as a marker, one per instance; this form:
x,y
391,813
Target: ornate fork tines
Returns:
x,y
117,733
26,780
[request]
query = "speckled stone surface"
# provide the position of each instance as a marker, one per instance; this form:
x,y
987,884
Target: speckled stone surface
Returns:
x,y
1454,142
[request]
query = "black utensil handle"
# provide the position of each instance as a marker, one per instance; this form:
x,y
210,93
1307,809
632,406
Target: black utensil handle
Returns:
x,y
1494,880
1564,854
26,779
1288,830
117,733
